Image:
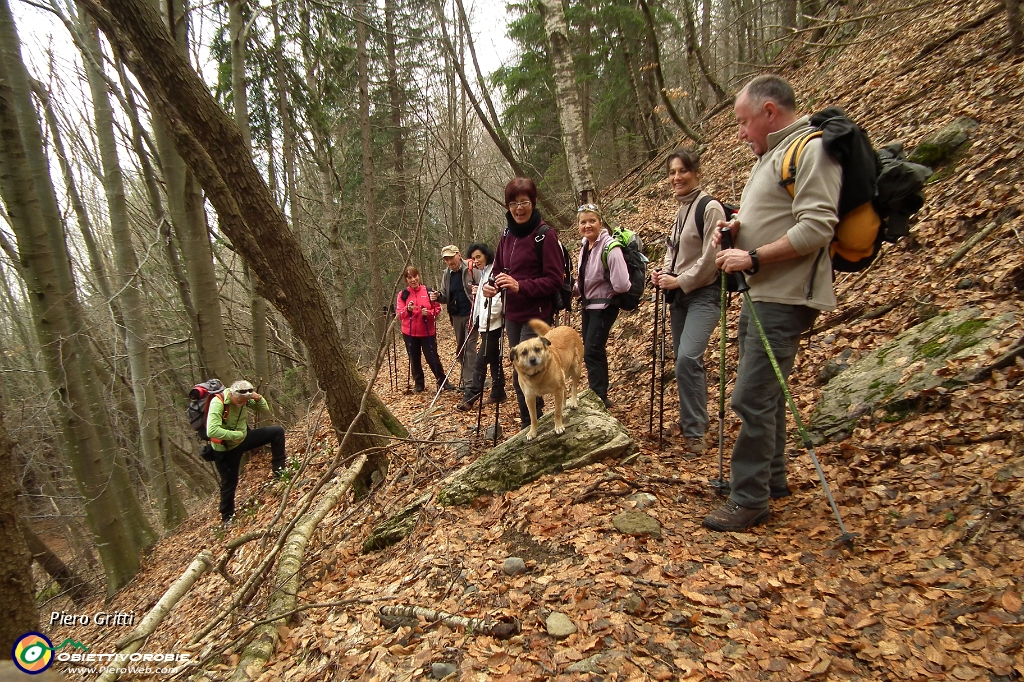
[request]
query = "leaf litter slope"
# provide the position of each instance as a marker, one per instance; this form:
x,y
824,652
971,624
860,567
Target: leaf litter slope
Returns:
x,y
931,589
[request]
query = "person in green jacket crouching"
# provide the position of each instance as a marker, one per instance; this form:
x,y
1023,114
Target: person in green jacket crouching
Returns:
x,y
229,432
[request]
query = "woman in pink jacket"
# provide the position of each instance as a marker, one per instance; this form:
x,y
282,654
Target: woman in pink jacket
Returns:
x,y
417,313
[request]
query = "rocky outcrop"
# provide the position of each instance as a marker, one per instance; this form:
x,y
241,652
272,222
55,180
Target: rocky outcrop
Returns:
x,y
591,435
912,362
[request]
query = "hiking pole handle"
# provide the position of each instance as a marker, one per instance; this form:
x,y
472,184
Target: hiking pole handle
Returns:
x,y
739,282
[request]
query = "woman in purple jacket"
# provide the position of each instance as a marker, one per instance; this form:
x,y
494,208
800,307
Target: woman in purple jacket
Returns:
x,y
602,273
529,266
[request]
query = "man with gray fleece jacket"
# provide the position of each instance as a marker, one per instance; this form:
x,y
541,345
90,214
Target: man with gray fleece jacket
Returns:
x,y
782,244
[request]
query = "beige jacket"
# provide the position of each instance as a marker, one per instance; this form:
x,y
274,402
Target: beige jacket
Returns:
x,y
688,257
767,213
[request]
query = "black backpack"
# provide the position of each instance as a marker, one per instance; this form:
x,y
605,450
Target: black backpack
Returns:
x,y
636,265
880,191
563,297
702,205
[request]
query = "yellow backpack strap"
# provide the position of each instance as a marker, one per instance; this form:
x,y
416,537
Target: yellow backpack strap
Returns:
x,y
792,159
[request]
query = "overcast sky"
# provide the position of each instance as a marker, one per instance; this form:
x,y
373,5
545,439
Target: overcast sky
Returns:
x,y
41,31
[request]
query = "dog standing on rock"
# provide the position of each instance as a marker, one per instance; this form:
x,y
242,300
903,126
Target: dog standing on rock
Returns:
x,y
543,364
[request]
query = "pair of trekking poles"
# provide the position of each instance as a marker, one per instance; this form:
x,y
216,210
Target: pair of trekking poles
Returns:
x,y
739,285
483,350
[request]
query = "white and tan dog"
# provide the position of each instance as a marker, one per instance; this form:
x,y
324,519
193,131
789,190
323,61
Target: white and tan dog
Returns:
x,y
543,364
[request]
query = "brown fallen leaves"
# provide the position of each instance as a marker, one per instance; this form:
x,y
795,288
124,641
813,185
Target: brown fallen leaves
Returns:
x,y
930,590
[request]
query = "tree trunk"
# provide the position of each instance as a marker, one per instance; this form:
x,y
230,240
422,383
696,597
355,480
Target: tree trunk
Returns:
x,y
188,219
240,99
160,470
213,147
698,51
71,584
36,219
493,124
96,259
568,98
373,254
17,592
640,118
652,36
396,101
1014,25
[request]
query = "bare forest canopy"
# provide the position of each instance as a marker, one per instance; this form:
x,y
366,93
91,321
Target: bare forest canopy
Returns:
x,y
232,189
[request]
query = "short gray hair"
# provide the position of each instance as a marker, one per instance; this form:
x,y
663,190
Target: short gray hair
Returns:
x,y
241,385
763,88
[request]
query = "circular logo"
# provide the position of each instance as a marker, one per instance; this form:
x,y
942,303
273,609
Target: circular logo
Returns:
x,y
32,653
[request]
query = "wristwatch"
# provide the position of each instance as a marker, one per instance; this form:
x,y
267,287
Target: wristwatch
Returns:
x,y
754,265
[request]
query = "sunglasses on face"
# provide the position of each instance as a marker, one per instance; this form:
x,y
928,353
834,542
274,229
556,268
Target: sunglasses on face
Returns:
x,y
245,391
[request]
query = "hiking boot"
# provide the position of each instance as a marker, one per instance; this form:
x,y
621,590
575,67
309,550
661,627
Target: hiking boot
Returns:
x,y
228,522
467,402
732,517
496,397
696,445
780,492
417,388
607,403
449,386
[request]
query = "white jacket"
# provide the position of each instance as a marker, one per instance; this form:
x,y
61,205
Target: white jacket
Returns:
x,y
497,319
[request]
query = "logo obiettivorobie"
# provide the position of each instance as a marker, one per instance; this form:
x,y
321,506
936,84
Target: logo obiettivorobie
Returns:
x,y
33,652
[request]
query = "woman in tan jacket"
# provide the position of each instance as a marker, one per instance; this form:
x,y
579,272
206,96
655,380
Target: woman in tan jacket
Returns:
x,y
688,279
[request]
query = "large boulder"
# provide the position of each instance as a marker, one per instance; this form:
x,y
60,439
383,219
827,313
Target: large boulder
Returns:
x,y
912,362
591,435
940,146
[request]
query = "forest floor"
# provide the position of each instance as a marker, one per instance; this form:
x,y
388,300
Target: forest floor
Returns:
x,y
930,589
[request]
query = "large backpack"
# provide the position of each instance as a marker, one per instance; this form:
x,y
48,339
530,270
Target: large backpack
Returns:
x,y
199,405
880,189
636,265
562,298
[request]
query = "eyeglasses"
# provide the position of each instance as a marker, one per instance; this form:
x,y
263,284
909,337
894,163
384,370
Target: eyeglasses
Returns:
x,y
587,208
245,391
519,204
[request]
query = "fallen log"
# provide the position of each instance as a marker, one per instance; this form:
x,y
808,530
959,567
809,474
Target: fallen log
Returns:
x,y
591,435
282,602
396,616
135,639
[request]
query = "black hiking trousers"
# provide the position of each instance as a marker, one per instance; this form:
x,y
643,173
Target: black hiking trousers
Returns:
x,y
228,462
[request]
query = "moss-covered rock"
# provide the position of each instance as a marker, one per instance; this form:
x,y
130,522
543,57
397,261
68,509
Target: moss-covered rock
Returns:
x,y
940,146
905,365
397,527
591,435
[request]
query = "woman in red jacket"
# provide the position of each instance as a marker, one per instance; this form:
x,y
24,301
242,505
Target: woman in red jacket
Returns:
x,y
417,313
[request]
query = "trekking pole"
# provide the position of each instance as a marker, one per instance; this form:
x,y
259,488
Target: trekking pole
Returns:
x,y
654,358
501,352
483,352
454,364
846,537
661,398
394,355
720,485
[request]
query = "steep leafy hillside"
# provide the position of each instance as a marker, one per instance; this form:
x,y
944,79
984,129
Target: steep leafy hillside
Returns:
x,y
930,589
